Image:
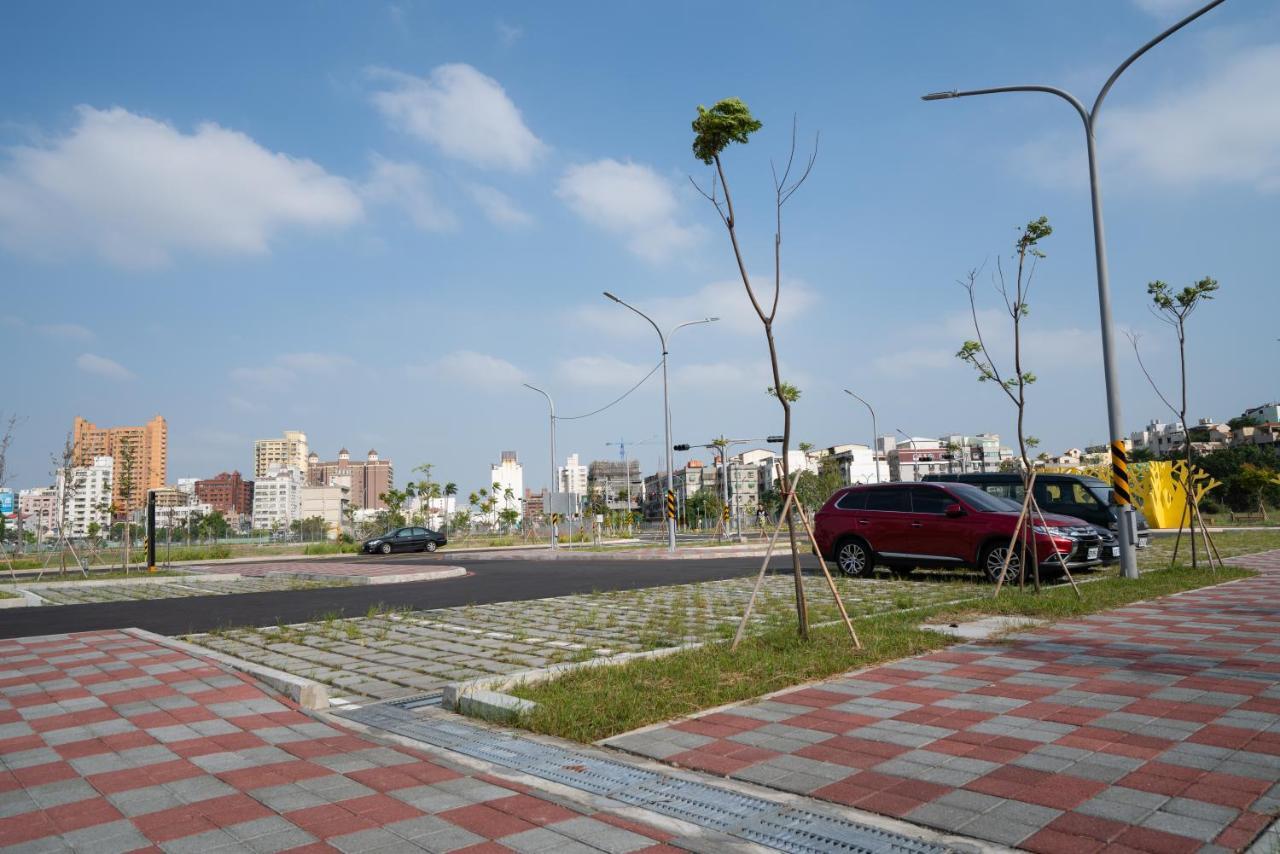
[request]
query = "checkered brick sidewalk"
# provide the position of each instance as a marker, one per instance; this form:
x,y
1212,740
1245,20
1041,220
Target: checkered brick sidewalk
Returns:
x,y
1154,727
109,744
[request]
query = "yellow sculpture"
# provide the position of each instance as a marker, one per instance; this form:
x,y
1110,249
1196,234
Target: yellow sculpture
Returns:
x,y
1157,488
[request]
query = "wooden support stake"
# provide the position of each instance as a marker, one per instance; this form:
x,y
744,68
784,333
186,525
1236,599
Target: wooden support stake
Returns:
x,y
835,594
1036,505
1017,532
764,565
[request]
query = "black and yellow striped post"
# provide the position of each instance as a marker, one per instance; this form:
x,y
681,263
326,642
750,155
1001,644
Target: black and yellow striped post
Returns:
x,y
1120,474
671,504
724,515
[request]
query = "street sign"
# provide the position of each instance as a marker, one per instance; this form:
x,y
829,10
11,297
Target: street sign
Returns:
x,y
8,506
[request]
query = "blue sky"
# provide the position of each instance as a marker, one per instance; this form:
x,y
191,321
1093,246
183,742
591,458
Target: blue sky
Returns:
x,y
372,222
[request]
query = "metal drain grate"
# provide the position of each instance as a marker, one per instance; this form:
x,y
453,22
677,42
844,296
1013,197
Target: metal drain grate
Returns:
x,y
746,817
418,701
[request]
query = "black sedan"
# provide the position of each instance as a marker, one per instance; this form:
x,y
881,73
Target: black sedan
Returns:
x,y
405,540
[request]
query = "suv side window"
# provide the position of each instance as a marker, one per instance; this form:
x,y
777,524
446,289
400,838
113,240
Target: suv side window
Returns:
x,y
925,499
856,500
1012,491
893,499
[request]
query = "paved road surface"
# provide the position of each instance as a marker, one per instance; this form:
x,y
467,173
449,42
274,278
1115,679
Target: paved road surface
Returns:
x,y
503,580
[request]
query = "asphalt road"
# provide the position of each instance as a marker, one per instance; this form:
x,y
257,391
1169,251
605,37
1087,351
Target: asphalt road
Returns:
x,y
503,580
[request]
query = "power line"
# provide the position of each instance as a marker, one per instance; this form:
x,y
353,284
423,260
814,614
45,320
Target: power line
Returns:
x,y
624,396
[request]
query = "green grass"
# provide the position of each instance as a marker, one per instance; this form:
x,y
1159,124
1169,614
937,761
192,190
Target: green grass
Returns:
x,y
598,702
1228,543
4,594
330,548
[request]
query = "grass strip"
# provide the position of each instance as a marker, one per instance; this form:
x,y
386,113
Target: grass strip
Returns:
x,y
598,702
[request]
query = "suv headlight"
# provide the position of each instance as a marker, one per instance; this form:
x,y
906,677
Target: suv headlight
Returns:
x,y
1051,531
374,542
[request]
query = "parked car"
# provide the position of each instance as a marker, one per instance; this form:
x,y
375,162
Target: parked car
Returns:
x,y
903,525
405,540
1086,498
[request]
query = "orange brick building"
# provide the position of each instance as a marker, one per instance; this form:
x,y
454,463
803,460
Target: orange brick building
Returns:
x,y
148,445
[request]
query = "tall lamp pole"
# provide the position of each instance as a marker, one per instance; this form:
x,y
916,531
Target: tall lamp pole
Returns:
x,y
555,544
1119,458
666,410
874,434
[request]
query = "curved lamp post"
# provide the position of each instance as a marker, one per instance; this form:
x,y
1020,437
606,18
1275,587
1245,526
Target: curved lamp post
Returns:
x,y
555,544
874,436
666,404
1119,462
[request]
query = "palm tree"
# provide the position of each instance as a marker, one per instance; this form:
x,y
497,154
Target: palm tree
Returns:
x,y
450,490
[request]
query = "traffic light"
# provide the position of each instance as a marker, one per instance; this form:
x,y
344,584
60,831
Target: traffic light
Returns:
x,y
680,447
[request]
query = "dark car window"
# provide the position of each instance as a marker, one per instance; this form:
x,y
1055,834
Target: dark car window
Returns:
x,y
927,499
419,532
894,499
984,499
856,500
405,532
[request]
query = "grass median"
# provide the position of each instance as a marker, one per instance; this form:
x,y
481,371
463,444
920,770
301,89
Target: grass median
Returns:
x,y
598,702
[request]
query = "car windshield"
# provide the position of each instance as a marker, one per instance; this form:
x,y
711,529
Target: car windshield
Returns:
x,y
1103,493
979,499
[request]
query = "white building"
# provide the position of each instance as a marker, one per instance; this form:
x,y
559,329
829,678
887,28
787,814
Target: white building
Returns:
x,y
572,476
84,497
329,503
858,463
277,499
509,477
1159,438
180,515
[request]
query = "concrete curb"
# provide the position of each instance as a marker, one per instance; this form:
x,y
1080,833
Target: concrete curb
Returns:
x,y
130,582
305,692
404,578
486,694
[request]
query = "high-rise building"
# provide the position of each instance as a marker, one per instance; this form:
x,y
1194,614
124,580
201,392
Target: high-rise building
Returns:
x,y
228,492
277,499
140,455
572,476
38,509
368,479
287,452
507,479
84,497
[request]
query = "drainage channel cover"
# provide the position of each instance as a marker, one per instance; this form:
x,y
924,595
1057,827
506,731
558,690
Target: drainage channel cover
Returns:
x,y
746,817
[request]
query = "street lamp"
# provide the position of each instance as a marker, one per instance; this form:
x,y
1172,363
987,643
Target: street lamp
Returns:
x,y
1119,461
666,407
874,435
555,544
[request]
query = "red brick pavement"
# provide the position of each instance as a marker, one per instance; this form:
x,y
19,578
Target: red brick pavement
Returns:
x,y
110,743
1154,727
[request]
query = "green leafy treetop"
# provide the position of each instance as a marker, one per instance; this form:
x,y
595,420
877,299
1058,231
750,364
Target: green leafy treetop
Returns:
x,y
1185,300
728,121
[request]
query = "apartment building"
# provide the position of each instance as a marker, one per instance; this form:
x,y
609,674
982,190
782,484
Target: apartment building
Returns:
x,y
140,455
287,452
229,493
277,499
572,476
368,479
84,496
38,508
330,503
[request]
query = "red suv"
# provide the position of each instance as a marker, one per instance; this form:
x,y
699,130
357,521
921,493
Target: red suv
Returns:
x,y
905,525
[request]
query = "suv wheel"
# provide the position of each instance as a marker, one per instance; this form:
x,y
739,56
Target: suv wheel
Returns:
x,y
993,558
854,559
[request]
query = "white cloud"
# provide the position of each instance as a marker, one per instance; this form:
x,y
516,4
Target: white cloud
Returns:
x,y
726,300
1220,130
464,113
103,367
604,370
1044,348
468,367
498,207
65,331
408,187
134,190
288,368
509,34
1166,8
630,200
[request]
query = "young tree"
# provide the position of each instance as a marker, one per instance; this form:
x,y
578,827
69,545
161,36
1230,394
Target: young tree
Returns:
x,y
6,439
124,495
978,356
1173,309
730,121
